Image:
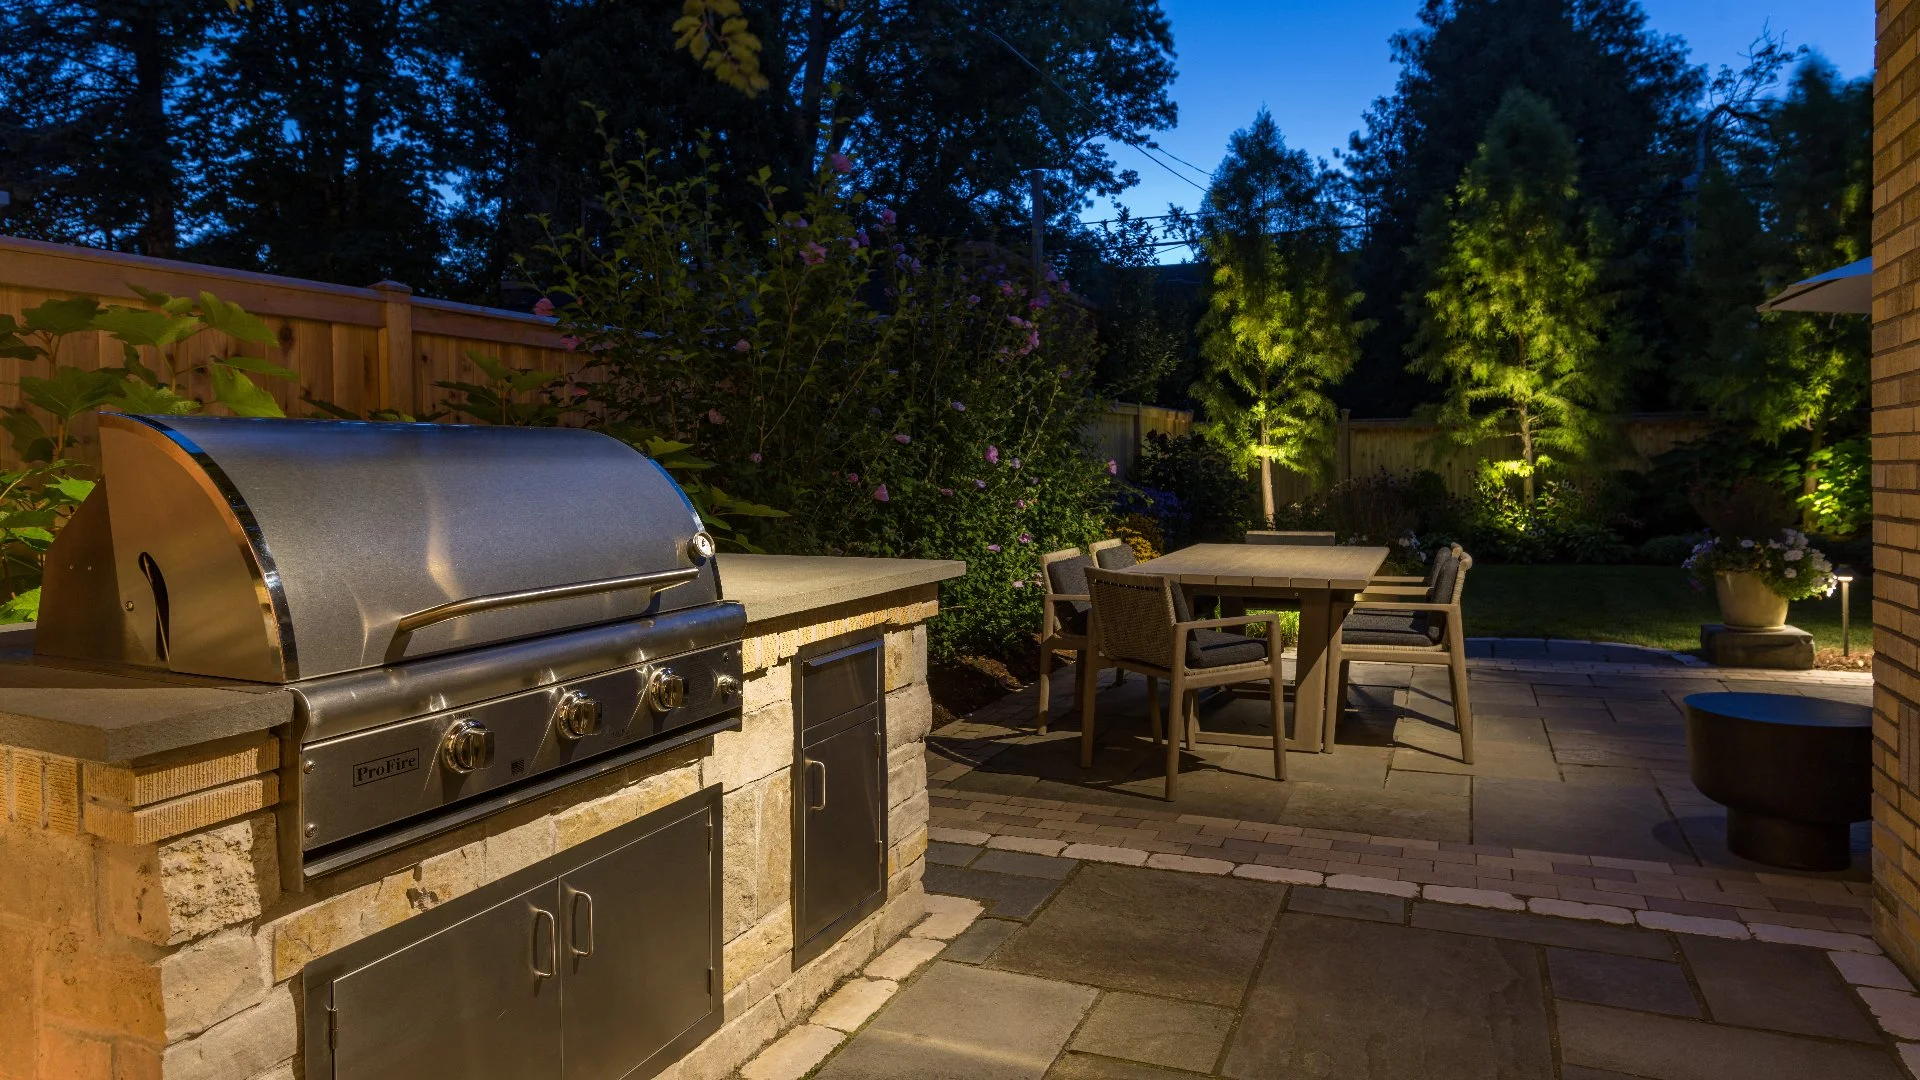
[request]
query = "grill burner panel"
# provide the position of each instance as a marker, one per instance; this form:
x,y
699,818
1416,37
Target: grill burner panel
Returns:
x,y
372,778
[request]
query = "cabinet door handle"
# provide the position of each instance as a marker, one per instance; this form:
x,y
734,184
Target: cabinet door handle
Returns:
x,y
553,940
573,938
811,764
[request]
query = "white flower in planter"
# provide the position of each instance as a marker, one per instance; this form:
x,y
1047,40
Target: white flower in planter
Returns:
x,y
1795,555
1790,572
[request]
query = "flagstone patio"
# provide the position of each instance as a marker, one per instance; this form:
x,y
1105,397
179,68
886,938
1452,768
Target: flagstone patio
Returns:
x,y
1564,908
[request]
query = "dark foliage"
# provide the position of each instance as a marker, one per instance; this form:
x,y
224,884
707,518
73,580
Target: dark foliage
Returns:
x,y
1192,489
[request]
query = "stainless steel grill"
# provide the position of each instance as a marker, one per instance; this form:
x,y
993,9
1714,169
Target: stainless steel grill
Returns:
x,y
467,616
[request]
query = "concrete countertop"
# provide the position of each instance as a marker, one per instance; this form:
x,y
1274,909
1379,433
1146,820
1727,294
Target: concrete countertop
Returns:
x,y
98,716
775,585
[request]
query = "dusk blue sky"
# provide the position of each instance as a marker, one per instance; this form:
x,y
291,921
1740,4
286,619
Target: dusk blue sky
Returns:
x,y
1318,64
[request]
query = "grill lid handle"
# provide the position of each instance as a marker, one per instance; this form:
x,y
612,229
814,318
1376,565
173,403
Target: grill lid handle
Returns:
x,y
408,625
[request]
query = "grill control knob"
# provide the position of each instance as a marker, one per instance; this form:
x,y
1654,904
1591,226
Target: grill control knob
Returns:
x,y
467,747
577,716
725,686
665,690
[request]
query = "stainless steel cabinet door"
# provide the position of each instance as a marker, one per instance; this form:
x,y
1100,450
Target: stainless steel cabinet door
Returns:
x,y
478,1000
639,951
842,791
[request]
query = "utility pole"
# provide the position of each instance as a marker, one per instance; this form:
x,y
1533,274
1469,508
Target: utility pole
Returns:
x,y
1036,178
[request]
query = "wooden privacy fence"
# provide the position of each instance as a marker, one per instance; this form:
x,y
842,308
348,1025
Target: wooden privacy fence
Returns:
x,y
1120,432
1402,446
362,349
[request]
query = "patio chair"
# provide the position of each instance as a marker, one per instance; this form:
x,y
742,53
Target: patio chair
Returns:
x,y
1141,624
1063,623
1114,554
1427,630
1303,538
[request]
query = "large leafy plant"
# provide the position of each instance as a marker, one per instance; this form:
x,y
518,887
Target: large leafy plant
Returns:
x,y
160,360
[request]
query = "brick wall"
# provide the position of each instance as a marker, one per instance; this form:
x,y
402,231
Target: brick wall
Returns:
x,y
1896,481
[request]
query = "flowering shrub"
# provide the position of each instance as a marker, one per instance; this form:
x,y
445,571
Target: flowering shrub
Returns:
x,y
874,398
1792,569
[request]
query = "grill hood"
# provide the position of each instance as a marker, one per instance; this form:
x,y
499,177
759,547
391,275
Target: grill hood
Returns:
x,y
280,550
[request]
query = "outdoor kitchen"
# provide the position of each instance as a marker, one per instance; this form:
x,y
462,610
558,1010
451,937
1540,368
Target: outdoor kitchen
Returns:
x,y
406,750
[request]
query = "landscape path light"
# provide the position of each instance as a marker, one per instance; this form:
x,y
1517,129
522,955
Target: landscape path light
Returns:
x,y
1844,575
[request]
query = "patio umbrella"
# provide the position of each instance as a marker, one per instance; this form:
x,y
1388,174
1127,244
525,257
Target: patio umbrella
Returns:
x,y
1846,291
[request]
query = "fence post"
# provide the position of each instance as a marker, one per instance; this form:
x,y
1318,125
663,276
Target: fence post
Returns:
x,y
393,388
1343,447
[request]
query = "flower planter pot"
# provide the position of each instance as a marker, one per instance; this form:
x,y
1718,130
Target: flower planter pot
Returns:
x,y
1747,603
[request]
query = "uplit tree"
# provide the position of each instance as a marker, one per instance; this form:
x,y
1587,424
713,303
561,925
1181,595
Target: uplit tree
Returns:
x,y
1279,329
1512,325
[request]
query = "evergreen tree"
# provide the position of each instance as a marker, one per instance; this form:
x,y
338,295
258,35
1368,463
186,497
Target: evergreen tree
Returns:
x,y
1513,322
1279,330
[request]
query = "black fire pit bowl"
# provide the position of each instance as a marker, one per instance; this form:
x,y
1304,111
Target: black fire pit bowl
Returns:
x,y
1793,773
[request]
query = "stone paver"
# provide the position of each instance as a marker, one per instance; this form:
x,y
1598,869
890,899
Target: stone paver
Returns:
x,y
1346,997
980,941
1866,970
1542,930
1005,894
903,958
854,1003
1135,1027
1186,936
1346,904
1662,1048
959,1021
793,1055
1630,982
1777,987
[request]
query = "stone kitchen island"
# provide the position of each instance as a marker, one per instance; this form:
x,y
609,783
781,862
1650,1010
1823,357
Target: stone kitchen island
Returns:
x,y
149,925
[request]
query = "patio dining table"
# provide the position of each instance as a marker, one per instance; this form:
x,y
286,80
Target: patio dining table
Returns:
x,y
1324,581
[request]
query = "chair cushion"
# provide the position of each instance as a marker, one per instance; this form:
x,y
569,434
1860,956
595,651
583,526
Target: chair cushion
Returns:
x,y
1118,557
1390,628
1446,568
1069,576
1216,648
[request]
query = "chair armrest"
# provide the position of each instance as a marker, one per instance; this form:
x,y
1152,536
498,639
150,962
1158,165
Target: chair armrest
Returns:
x,y
1049,625
1083,598
1398,579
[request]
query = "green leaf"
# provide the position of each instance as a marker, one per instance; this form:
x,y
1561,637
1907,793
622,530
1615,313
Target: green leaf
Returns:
x,y
138,397
72,487
28,519
729,505
233,320
72,391
259,366
494,369
30,440
241,394
22,608
328,408
68,316
136,327
172,305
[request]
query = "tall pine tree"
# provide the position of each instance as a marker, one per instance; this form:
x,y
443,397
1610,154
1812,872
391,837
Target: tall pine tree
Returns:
x,y
1512,326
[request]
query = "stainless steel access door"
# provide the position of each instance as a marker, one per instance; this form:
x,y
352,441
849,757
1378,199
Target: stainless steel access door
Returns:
x,y
840,800
639,948
478,999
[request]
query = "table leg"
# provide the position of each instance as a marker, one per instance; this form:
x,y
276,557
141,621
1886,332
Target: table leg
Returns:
x,y
1340,606
1310,669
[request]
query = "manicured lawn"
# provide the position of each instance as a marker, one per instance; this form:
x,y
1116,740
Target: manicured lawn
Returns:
x,y
1640,605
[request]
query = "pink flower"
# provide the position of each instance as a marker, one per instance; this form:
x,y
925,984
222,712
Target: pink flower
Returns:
x,y
887,217
754,457
902,438
1019,584
741,345
813,254
853,478
995,548
1015,463
543,307
1006,288
880,494
946,491
993,456
980,485
1113,467
714,417
569,342
1020,504
972,301
840,165
1026,538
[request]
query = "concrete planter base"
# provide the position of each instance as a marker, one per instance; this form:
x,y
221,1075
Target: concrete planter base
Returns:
x,y
1788,648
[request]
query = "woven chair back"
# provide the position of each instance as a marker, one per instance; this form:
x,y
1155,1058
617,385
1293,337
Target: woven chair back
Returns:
x,y
1133,614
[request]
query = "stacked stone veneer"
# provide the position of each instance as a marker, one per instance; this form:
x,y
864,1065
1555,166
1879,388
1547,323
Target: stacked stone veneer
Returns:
x,y
1896,481
144,933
